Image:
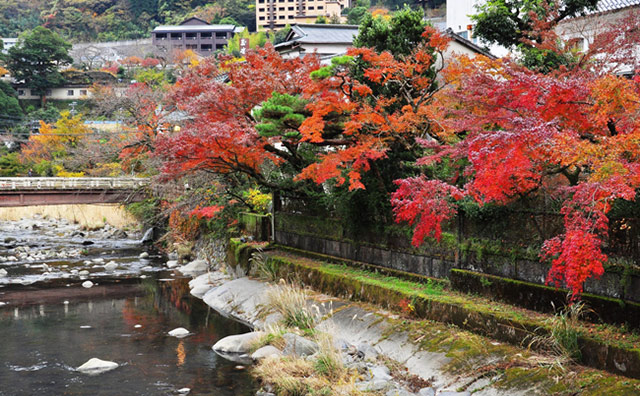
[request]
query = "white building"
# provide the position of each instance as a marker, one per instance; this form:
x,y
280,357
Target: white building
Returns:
x,y
581,31
8,43
459,21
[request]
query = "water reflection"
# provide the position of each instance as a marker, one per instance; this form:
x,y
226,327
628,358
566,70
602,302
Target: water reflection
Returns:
x,y
41,344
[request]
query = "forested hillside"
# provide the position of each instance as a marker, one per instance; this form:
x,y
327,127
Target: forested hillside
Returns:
x,y
110,20
106,20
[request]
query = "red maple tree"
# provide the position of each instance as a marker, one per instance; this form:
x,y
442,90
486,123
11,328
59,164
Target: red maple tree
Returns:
x,y
514,133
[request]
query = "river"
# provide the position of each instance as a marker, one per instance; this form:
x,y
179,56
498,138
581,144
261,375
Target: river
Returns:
x,y
50,324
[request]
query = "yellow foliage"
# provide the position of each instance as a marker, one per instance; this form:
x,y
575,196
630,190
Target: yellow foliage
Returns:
x,y
54,140
3,71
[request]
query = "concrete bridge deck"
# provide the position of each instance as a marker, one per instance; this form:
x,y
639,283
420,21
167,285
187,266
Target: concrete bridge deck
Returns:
x,y
27,191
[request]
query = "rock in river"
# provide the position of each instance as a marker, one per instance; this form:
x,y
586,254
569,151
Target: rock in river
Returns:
x,y
180,332
111,266
87,284
240,343
3,272
97,366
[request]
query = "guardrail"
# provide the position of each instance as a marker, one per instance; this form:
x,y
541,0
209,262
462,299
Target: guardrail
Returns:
x,y
71,183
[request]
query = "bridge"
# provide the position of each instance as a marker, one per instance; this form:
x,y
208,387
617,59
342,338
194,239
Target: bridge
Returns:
x,y
30,191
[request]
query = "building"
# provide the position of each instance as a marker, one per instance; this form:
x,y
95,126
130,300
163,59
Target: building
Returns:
x,y
276,14
8,43
325,40
77,86
459,21
193,34
581,31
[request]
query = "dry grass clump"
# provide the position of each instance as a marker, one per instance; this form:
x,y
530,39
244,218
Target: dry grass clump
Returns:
x,y
328,361
291,376
273,336
291,302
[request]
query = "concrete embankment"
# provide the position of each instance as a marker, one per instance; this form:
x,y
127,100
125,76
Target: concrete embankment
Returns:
x,y
363,327
449,358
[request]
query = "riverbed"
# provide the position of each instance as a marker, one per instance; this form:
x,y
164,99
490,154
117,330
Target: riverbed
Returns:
x,y
50,324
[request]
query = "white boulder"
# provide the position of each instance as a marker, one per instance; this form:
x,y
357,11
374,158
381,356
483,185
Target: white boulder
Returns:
x,y
144,255
87,284
196,267
179,332
172,263
97,366
111,266
240,343
3,272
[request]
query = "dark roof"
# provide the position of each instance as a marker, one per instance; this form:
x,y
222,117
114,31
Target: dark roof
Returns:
x,y
612,5
197,28
469,44
198,21
320,34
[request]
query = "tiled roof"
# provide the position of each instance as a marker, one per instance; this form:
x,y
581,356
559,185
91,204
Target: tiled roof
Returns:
x,y
323,33
612,5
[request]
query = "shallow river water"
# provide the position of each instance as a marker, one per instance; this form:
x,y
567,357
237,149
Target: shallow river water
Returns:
x,y
50,324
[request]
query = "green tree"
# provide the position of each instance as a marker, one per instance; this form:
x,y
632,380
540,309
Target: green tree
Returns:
x,y
510,23
9,107
398,35
36,59
357,12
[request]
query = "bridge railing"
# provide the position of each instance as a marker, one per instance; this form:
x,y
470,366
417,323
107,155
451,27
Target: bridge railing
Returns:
x,y
71,183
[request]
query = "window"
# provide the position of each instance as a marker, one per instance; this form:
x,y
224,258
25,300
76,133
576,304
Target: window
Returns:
x,y
291,16
206,35
311,8
219,47
261,9
221,34
83,92
281,9
70,92
290,8
48,92
206,47
262,18
281,17
320,7
21,92
192,46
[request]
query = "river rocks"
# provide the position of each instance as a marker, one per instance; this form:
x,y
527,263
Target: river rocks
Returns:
x,y
96,366
265,352
194,268
179,332
298,346
111,266
452,393
240,343
373,385
87,284
380,372
399,392
172,263
427,392
3,272
184,391
83,273
144,255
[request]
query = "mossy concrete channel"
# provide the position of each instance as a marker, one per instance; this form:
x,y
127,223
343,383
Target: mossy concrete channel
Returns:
x,y
457,346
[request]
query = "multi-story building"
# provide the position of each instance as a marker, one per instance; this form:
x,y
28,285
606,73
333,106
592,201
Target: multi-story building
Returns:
x,y
193,34
276,14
